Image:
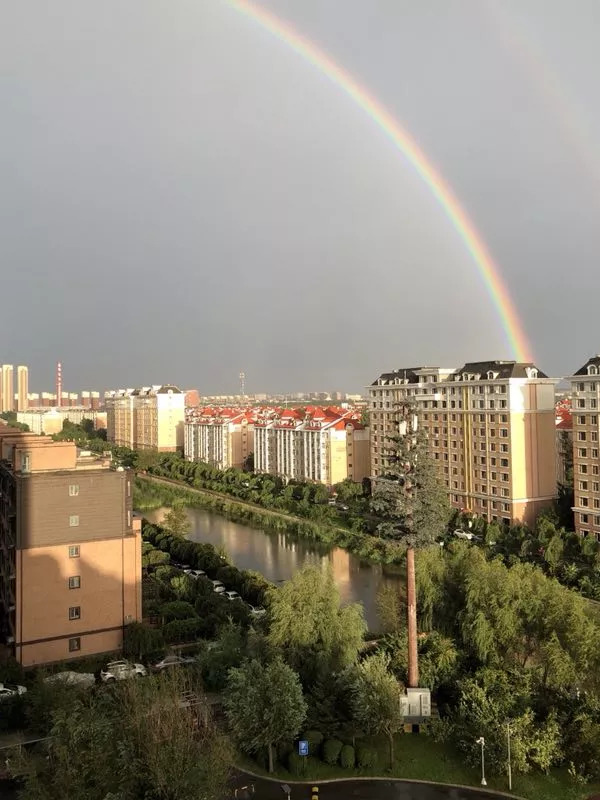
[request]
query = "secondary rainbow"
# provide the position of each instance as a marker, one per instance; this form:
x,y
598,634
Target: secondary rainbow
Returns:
x,y
488,270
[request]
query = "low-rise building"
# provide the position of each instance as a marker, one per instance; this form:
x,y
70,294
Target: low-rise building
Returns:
x,y
70,550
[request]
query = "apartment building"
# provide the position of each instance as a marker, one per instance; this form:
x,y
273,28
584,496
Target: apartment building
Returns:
x,y
150,418
585,401
221,437
7,388
325,445
564,439
491,427
49,421
70,550
22,388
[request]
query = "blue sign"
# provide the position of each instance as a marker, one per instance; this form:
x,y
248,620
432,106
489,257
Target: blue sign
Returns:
x,y
303,748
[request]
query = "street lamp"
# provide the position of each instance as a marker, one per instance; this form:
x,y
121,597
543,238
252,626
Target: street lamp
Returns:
x,y
481,741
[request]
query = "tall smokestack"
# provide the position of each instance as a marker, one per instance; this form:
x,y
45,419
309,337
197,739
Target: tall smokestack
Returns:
x,y
59,384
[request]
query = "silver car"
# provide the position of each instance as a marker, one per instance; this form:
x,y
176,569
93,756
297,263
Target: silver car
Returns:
x,y
120,670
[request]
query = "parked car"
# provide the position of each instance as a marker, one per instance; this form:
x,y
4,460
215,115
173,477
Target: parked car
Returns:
x,y
464,535
194,573
8,690
218,586
231,595
71,678
173,660
256,611
120,670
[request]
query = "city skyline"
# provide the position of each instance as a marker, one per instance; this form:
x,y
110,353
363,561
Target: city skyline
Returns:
x,y
263,217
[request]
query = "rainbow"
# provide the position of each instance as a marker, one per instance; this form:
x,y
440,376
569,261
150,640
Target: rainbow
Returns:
x,y
489,271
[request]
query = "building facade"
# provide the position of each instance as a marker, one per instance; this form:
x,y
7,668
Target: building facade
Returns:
x,y
7,388
221,437
70,550
490,426
325,445
151,418
22,388
585,401
41,420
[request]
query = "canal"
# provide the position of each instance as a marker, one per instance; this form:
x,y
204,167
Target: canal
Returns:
x,y
278,556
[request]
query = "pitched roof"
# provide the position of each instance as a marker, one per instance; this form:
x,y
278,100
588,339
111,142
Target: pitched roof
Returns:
x,y
594,361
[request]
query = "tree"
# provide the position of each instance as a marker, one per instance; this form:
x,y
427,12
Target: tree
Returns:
x,y
413,505
316,634
176,521
264,705
376,699
389,608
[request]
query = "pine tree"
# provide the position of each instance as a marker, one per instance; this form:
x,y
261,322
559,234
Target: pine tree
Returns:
x,y
412,504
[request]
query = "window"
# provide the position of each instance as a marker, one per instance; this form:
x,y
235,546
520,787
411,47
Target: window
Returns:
x,y
25,462
75,612
74,551
73,490
74,520
74,644
75,582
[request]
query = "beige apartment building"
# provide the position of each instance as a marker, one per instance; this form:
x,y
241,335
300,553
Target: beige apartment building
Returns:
x,y
22,388
325,445
70,550
585,402
151,418
489,425
51,420
221,437
7,388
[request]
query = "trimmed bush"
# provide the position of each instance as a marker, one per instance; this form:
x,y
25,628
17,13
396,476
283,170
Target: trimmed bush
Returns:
x,y
347,757
331,750
177,609
366,756
314,739
183,630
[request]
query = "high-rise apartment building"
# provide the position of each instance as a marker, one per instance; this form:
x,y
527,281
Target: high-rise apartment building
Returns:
x,y
585,402
151,418
7,388
221,437
489,425
325,445
70,550
22,388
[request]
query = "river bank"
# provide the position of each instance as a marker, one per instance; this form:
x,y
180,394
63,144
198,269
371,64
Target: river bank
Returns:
x,y
152,492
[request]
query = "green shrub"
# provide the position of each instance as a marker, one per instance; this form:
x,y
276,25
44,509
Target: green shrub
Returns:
x,y
296,763
347,757
366,756
183,630
177,609
331,750
314,739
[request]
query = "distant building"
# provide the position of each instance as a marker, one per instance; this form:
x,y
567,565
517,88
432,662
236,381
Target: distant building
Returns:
x,y
490,426
71,551
585,386
564,438
22,388
7,388
325,445
51,420
221,437
192,398
151,418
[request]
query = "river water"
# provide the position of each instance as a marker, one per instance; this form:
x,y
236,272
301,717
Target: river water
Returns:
x,y
277,556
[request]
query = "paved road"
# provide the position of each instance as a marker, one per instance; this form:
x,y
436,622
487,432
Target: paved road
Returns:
x,y
360,790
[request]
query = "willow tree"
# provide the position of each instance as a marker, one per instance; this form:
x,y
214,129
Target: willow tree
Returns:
x,y
412,504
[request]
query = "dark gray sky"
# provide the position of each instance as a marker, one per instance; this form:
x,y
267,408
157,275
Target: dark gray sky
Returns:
x,y
184,197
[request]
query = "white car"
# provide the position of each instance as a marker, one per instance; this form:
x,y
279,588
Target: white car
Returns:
x,y
71,678
194,573
464,535
173,661
257,611
232,595
120,670
11,690
218,587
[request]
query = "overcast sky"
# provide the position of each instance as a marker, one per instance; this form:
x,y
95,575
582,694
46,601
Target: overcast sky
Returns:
x,y
183,196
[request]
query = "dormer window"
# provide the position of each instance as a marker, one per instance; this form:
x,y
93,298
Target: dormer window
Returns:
x,y
592,369
532,372
491,376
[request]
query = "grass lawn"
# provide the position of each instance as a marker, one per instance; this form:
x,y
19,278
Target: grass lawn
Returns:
x,y
421,758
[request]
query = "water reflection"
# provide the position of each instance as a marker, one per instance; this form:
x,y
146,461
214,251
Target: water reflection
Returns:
x,y
277,556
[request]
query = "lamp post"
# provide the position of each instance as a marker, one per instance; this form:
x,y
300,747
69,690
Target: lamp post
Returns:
x,y
481,741
508,750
